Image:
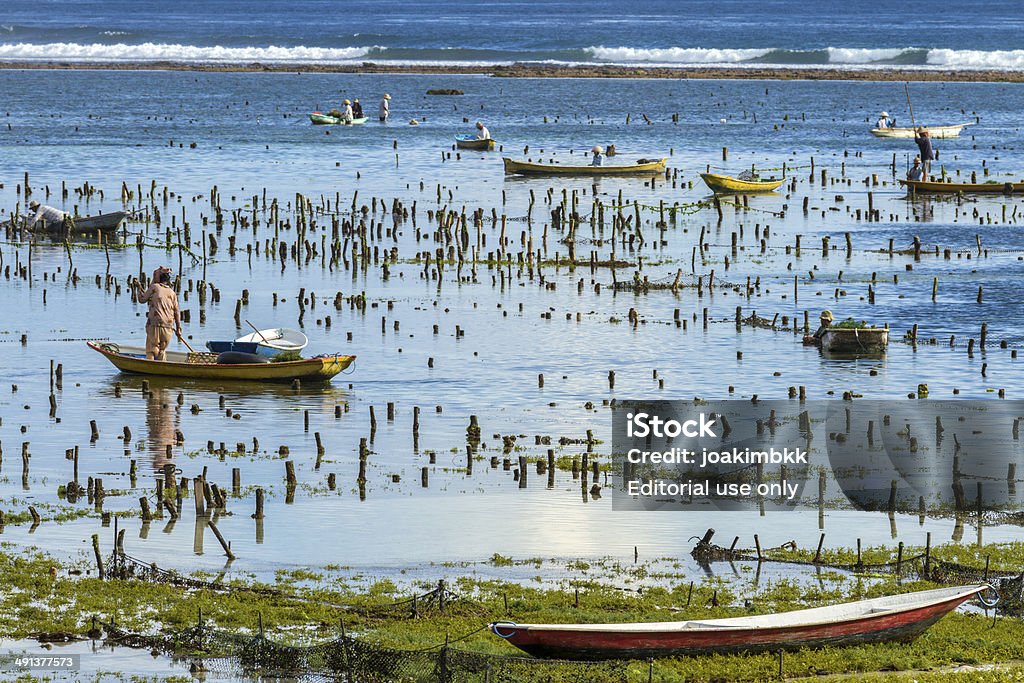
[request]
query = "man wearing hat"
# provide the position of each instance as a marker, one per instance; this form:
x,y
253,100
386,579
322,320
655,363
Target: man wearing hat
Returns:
x,y
598,156
825,322
163,319
916,171
47,216
927,156
346,113
385,107
884,121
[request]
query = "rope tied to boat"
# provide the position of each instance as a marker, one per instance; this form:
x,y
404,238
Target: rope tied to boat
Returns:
x,y
498,624
989,604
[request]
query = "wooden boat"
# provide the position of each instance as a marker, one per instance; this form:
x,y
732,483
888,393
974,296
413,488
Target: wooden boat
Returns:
x,y
952,131
198,366
855,340
473,142
891,618
939,187
104,222
642,167
320,119
723,184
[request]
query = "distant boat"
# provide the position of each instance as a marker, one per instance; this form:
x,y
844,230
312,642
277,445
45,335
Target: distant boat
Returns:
x,y
132,359
724,184
952,131
319,119
641,167
104,222
473,142
939,187
891,618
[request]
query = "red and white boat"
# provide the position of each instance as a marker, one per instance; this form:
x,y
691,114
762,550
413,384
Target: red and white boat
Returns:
x,y
891,618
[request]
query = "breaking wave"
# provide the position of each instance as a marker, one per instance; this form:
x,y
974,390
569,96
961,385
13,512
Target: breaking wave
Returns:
x,y
867,57
160,52
851,57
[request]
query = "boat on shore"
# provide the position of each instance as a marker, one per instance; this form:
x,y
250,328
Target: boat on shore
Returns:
x,y
270,342
952,131
473,142
132,359
725,184
940,187
891,618
640,167
320,119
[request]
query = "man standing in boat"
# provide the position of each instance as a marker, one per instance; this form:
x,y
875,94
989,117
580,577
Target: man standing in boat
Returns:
x,y
481,131
163,320
47,217
924,144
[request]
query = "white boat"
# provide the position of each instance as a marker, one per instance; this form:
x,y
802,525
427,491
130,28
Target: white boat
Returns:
x,y
933,131
274,341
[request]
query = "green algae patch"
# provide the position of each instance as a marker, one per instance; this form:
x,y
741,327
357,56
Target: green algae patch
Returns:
x,y
39,595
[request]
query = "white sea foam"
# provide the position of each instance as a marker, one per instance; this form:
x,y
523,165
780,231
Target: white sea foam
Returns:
x,y
855,55
675,55
149,52
1011,60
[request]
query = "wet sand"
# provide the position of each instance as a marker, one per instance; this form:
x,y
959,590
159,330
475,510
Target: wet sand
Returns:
x,y
527,70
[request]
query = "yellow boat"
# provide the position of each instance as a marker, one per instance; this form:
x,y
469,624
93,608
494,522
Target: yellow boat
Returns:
x,y
200,366
473,142
967,188
642,167
721,184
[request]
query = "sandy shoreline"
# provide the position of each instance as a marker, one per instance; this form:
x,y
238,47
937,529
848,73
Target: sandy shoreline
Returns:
x,y
551,71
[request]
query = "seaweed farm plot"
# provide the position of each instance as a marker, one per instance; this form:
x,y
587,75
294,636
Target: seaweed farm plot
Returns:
x,y
499,325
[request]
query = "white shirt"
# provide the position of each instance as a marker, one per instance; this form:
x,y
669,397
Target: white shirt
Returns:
x,y
883,122
48,214
384,109
346,113
483,134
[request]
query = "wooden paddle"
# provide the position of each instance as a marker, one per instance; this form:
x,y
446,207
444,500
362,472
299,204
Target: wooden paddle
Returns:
x,y
257,332
906,88
178,334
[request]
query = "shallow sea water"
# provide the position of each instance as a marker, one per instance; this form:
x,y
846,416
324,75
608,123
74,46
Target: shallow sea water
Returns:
x,y
251,133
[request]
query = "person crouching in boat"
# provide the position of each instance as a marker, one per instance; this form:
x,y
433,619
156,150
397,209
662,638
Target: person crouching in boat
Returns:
x,y
598,153
916,172
825,323
481,131
346,112
47,217
357,109
884,121
163,319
